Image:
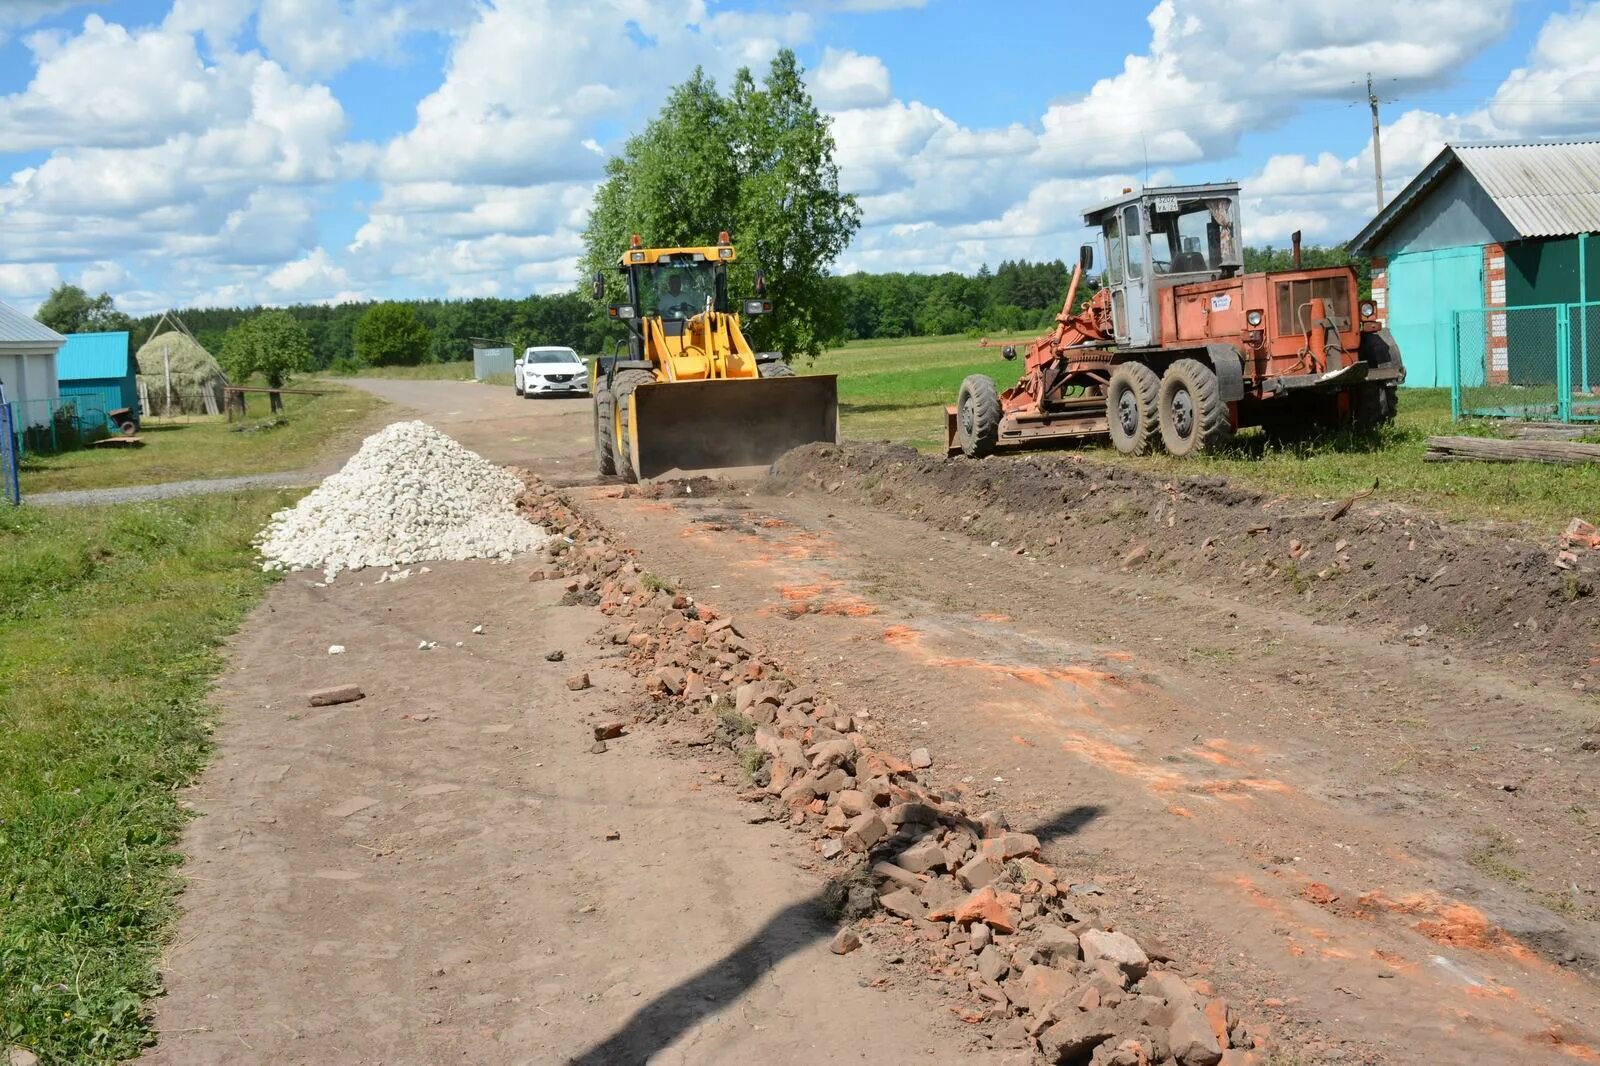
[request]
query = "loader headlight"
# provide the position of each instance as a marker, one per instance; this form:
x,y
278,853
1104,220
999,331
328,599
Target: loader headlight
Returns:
x,y
1368,308
635,257
724,253
1253,319
757,307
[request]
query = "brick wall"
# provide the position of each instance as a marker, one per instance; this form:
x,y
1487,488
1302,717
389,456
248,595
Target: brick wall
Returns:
x,y
1380,288
1494,295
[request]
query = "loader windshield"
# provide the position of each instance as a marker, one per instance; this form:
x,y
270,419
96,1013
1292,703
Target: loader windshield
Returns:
x,y
679,288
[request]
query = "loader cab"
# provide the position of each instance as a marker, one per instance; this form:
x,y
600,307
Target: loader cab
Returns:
x,y
671,285
1159,237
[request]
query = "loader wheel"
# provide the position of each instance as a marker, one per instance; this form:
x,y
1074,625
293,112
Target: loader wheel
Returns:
x,y
1132,398
605,458
1375,406
775,370
622,386
1193,416
978,416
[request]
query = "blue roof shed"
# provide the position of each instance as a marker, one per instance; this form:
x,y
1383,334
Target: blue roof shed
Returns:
x,y
98,370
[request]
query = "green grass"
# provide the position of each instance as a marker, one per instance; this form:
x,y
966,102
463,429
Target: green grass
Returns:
x,y
210,447
897,390
111,622
459,371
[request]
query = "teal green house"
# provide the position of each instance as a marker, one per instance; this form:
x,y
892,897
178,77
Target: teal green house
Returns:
x,y
1486,266
98,372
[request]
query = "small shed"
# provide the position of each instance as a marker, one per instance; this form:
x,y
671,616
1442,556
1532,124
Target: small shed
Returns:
x,y
1486,268
28,366
491,357
97,370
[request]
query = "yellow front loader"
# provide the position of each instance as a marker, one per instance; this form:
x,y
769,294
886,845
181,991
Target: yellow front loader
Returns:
x,y
691,397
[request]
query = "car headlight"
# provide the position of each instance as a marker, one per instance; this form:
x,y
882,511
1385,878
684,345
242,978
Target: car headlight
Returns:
x,y
1253,319
1368,308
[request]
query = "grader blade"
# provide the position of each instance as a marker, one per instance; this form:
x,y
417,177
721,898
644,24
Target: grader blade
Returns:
x,y
729,427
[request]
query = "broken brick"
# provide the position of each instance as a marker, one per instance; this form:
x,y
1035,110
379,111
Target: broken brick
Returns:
x,y
903,903
986,906
865,831
328,697
1120,948
578,682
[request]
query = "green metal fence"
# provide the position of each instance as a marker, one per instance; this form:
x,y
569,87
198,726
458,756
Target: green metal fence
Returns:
x,y
44,427
1538,363
10,488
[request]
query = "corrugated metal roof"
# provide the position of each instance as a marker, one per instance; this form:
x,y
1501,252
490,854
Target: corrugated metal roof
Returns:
x,y
18,328
87,356
1545,190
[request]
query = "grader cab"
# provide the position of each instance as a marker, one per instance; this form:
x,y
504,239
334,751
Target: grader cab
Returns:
x,y
691,396
1180,347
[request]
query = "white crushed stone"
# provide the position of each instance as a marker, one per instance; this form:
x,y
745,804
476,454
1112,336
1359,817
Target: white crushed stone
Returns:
x,y
409,494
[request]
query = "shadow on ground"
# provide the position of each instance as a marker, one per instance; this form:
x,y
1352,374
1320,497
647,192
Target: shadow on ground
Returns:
x,y
664,1019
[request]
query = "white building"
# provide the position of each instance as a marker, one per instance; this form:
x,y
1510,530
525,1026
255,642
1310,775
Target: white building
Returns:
x,y
28,363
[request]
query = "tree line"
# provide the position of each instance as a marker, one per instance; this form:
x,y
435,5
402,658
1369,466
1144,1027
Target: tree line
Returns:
x,y
1017,296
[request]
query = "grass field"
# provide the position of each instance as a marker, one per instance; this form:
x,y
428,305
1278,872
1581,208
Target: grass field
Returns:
x,y
461,371
897,390
207,447
111,620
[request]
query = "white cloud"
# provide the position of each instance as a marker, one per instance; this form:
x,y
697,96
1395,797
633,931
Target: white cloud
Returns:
x,y
221,21
314,276
846,79
1558,92
319,38
165,89
1217,68
204,173
25,285
20,14
103,275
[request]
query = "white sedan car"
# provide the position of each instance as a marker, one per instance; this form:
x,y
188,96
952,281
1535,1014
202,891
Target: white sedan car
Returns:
x,y
551,371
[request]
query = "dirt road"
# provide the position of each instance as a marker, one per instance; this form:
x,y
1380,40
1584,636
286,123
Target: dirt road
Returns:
x,y
1387,848
425,875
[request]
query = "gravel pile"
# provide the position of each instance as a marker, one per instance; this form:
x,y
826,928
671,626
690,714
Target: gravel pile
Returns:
x,y
411,494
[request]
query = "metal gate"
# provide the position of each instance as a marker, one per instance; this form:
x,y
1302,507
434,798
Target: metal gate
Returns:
x,y
1539,363
10,487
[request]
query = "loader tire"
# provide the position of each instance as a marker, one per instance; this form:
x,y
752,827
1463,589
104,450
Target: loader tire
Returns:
x,y
1132,408
605,457
622,386
775,370
1194,417
978,416
1375,406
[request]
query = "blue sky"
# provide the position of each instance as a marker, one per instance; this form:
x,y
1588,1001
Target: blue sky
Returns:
x,y
183,152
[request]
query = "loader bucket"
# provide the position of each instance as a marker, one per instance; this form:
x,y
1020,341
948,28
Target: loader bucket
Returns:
x,y
733,427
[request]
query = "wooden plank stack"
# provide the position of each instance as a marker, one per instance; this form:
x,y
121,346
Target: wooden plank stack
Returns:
x,y
1492,450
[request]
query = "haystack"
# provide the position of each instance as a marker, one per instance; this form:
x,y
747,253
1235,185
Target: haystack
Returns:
x,y
176,374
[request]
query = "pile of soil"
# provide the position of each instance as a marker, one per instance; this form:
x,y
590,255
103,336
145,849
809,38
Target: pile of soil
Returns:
x,y
1400,572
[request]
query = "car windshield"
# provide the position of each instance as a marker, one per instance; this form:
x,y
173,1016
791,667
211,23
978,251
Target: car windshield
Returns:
x,y
677,289
553,355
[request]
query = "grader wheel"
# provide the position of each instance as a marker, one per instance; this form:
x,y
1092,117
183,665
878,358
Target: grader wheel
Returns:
x,y
978,416
1132,400
1375,406
1193,416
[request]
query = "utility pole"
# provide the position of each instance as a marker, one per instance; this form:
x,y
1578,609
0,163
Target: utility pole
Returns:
x,y
1377,145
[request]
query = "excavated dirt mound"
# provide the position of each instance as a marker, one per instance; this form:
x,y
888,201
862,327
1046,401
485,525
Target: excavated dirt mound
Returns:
x,y
1411,576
